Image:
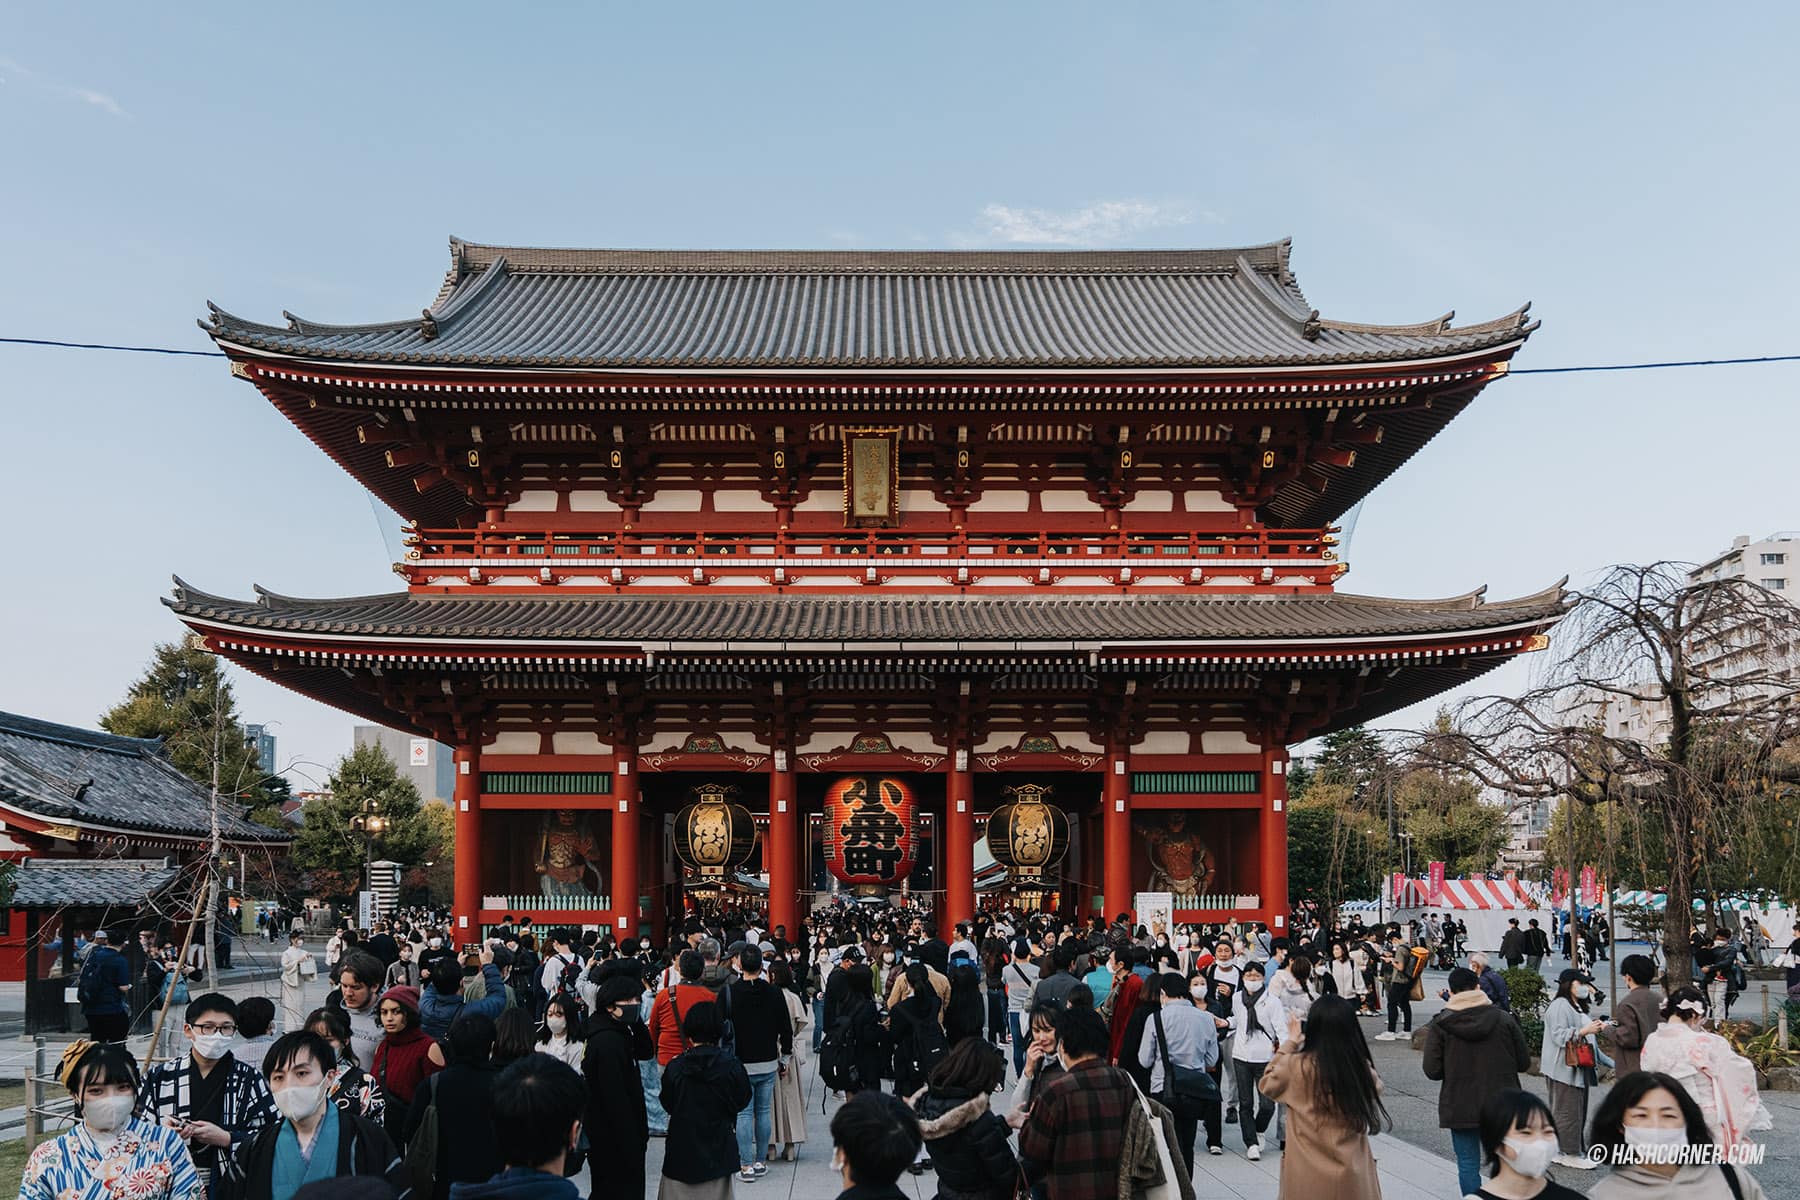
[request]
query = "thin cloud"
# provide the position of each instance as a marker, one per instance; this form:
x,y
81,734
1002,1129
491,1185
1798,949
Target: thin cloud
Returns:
x,y
1106,221
14,71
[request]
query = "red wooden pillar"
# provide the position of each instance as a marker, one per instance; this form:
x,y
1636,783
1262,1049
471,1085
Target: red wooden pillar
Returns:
x,y
781,852
1115,830
625,845
1273,844
959,844
465,904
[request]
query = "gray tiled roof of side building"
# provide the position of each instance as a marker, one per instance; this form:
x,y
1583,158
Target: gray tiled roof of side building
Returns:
x,y
838,618
67,774
53,883
524,307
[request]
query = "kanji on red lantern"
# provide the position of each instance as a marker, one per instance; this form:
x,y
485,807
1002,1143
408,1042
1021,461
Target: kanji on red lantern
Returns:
x,y
869,837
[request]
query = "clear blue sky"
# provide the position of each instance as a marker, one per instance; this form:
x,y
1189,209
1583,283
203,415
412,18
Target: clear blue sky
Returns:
x,y
1629,170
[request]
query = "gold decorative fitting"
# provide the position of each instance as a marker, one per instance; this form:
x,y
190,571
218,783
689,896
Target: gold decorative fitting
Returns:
x,y
240,369
616,459
1268,459
474,458
962,460
1537,641
1125,460
781,460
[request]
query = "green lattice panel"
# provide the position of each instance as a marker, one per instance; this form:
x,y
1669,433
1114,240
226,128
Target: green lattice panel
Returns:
x,y
1166,783
547,783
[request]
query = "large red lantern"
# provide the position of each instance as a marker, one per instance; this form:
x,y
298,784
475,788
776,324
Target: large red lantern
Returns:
x,y
869,830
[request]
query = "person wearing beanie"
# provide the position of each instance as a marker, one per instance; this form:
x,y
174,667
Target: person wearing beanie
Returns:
x,y
405,1057
617,1118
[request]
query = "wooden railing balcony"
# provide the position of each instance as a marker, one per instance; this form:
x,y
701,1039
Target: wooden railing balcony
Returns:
x,y
1249,559
488,545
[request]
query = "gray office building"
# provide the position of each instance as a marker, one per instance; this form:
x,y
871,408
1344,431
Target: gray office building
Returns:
x,y
263,738
425,762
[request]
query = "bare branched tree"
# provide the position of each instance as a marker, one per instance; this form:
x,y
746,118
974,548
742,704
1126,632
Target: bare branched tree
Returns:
x,y
1714,657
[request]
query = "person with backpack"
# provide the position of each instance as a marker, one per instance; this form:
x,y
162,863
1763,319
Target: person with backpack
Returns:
x,y
449,1133
1181,1049
703,1089
672,1003
616,1124
102,988
1406,967
1021,977
855,1050
918,1031
561,972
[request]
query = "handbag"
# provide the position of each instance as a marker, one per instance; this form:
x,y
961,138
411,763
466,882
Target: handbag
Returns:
x,y
1186,1091
1578,1052
422,1151
309,967
1170,1187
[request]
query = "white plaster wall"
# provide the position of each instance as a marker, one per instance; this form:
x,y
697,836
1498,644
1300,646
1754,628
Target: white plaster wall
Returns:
x,y
1002,501
1067,501
1206,501
534,501
1163,741
672,500
517,741
578,741
1153,501
585,501
1227,741
920,501
733,500
822,499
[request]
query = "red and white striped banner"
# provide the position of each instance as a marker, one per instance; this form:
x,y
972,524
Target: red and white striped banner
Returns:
x,y
1461,894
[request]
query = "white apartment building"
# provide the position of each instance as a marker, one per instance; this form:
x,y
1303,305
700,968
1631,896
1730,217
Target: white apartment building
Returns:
x,y
1772,563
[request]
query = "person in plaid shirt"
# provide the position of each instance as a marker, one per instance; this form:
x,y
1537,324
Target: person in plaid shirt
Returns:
x,y
1074,1134
210,1098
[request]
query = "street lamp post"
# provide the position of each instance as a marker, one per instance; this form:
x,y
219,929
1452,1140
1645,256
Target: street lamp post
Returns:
x,y
371,823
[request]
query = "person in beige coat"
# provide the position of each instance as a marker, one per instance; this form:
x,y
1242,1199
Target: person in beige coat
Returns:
x,y
1326,1079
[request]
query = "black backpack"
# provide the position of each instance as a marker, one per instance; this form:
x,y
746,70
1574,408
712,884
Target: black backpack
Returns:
x,y
90,988
568,983
837,1057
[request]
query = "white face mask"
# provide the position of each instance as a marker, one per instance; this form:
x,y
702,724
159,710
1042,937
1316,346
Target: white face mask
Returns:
x,y
1532,1157
1197,991
298,1103
108,1113
212,1046
1656,1145
887,958
1581,991
556,1024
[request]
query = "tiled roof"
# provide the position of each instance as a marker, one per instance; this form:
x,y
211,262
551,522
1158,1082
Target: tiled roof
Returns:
x,y
84,777
727,622
89,883
521,307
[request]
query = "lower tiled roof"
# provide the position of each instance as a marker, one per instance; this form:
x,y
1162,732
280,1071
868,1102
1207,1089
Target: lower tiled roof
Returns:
x,y
89,883
926,622
83,777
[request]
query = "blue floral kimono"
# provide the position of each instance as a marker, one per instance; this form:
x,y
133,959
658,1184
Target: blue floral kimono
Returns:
x,y
144,1162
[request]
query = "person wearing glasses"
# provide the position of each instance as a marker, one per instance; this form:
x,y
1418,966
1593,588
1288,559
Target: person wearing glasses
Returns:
x,y
210,1098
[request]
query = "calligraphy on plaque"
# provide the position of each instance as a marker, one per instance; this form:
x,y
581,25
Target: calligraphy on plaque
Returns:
x,y
871,477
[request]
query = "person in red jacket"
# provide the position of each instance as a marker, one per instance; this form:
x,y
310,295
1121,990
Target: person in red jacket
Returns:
x,y
674,1003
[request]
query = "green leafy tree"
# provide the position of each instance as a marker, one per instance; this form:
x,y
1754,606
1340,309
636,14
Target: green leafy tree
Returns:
x,y
184,699
1334,848
332,846
1449,821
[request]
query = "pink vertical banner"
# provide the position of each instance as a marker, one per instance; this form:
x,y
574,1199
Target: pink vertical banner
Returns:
x,y
1398,885
1434,888
1590,887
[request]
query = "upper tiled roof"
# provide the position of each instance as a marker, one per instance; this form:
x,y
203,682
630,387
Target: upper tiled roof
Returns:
x,y
727,622
621,309
84,777
89,883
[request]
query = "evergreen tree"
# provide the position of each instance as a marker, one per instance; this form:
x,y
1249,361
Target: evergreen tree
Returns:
x,y
332,848
185,700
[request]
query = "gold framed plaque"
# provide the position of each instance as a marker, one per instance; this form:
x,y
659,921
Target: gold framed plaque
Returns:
x,y
871,478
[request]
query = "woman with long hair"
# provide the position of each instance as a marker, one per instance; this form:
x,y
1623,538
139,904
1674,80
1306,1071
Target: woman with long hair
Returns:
x,y
868,1042
1326,1076
514,1037
790,1098
993,963
1655,1133
918,1034
1721,1081
560,1034
966,1013
1569,1033
1343,973
970,1146
1256,1021
1041,1062
347,1085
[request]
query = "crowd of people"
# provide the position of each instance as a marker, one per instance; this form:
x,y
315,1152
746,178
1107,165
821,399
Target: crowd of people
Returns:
x,y
497,1069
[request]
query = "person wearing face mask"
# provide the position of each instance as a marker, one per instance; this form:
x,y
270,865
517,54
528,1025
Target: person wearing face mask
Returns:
x,y
1721,1081
347,1085
404,972
108,1143
314,1139
1477,1050
1518,1140
1256,1022
617,1113
1568,1060
211,1098
560,1034
1645,1122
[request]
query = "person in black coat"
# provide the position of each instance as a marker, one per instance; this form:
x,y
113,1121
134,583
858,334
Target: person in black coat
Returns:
x,y
703,1090
970,1145
967,1014
918,1034
617,1125
463,1094
868,1040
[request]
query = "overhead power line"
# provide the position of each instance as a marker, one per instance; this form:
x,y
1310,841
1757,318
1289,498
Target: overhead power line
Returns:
x,y
1643,366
